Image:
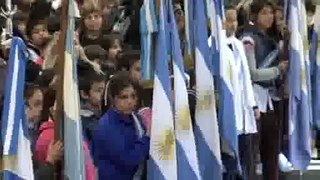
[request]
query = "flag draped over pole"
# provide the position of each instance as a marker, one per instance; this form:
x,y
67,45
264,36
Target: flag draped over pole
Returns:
x,y
163,163
299,105
315,61
148,26
223,60
73,151
206,127
187,160
17,156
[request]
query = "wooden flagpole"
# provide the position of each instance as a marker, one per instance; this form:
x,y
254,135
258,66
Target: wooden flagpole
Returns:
x,y
59,69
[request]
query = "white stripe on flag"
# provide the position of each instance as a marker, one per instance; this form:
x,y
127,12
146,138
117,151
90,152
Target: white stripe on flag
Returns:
x,y
13,103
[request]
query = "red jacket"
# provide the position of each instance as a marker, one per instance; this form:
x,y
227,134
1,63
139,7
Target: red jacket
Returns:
x,y
46,135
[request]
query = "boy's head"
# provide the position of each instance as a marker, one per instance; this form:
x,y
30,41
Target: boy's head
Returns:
x,y
231,22
37,32
113,44
95,52
131,62
92,16
91,87
20,20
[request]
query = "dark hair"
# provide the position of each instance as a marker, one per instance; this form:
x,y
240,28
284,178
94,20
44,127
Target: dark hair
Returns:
x,y
86,81
20,16
34,22
95,52
128,59
45,77
230,7
119,82
310,7
30,89
49,97
257,6
109,39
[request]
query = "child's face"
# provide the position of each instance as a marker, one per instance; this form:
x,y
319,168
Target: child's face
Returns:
x,y
231,22
265,18
22,27
93,21
115,51
39,35
35,105
126,101
96,93
135,71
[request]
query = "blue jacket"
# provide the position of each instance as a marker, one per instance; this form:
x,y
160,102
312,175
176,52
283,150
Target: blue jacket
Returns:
x,y
89,121
117,150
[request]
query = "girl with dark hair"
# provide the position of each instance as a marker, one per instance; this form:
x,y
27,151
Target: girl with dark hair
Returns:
x,y
121,142
113,44
262,53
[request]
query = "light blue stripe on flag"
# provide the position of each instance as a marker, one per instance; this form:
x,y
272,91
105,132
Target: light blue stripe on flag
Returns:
x,y
17,157
187,160
163,163
299,105
206,128
73,149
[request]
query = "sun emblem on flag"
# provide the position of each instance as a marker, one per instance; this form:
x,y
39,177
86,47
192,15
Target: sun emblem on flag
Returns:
x,y
303,79
305,44
183,118
164,145
204,100
229,71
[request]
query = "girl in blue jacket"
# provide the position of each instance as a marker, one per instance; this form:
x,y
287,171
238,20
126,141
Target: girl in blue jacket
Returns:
x,y
121,142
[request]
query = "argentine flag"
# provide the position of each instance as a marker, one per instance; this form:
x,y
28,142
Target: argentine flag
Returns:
x,y
299,100
315,59
148,25
206,127
73,150
17,156
163,163
188,167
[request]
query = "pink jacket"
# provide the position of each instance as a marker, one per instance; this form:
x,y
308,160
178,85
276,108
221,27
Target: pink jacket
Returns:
x,y
146,114
42,144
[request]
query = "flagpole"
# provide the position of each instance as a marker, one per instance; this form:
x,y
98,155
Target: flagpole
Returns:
x,y
59,68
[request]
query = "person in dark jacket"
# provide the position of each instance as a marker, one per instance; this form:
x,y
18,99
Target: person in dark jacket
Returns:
x,y
265,67
121,142
91,88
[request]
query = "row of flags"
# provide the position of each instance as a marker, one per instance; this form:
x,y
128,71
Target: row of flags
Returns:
x,y
209,62
178,149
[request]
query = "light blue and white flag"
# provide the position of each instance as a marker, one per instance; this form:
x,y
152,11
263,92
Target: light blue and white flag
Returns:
x,y
206,127
315,60
148,25
187,160
163,162
299,100
222,61
17,156
73,148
